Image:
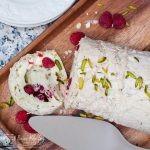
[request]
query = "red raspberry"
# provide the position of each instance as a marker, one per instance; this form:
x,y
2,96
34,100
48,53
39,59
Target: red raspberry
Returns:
x,y
48,94
119,21
40,55
28,128
29,89
40,96
22,117
30,62
75,37
48,63
106,19
69,83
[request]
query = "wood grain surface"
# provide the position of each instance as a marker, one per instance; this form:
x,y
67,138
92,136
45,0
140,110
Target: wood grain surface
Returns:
x,y
137,36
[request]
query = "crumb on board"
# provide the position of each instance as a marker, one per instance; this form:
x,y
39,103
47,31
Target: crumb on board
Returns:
x,y
90,22
88,25
67,52
94,21
87,13
127,24
96,12
100,5
78,25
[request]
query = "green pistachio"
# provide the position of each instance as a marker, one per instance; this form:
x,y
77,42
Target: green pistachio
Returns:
x,y
130,74
58,64
139,82
106,91
146,91
102,82
126,76
81,83
93,78
105,69
84,73
11,101
98,81
99,118
83,115
125,13
108,81
90,63
3,105
26,78
60,81
84,61
95,87
113,74
131,7
101,60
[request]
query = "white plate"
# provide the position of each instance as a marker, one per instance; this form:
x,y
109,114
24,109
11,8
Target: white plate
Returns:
x,y
32,12
28,25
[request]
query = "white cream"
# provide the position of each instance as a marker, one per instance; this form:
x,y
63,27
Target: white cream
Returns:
x,y
124,104
40,76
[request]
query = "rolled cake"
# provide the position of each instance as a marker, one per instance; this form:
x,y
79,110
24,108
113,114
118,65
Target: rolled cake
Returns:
x,y
36,82
112,82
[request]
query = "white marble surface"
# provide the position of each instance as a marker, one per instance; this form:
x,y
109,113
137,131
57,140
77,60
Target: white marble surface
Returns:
x,y
12,41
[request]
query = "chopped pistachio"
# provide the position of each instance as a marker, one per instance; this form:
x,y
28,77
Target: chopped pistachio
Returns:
x,y
11,101
139,82
125,13
95,87
136,59
93,78
101,60
57,74
84,73
58,64
81,83
102,82
106,85
97,80
90,63
131,7
146,91
100,5
113,74
89,115
127,24
60,81
106,91
105,69
3,105
130,74
126,76
83,115
108,81
84,61
26,78
99,118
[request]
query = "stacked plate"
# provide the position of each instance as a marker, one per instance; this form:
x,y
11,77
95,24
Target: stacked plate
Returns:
x,y
31,13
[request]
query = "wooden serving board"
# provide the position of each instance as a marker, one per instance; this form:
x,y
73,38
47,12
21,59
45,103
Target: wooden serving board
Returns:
x,y
137,36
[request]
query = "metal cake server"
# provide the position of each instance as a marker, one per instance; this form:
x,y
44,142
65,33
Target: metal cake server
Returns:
x,y
75,133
